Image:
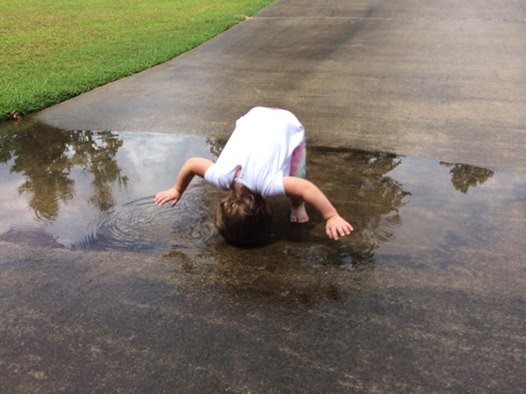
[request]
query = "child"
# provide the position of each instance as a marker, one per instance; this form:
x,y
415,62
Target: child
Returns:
x,y
264,156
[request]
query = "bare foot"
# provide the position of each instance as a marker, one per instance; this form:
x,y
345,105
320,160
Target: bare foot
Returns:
x,y
298,214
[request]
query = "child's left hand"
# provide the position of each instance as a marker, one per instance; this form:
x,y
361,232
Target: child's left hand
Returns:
x,y
171,195
337,226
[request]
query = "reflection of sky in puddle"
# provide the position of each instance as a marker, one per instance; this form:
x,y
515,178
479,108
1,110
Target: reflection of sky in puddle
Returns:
x,y
95,190
57,192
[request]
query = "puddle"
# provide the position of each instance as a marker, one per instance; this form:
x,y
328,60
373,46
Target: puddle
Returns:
x,y
435,266
94,190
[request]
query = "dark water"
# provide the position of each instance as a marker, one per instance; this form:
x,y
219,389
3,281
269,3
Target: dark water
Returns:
x,y
426,295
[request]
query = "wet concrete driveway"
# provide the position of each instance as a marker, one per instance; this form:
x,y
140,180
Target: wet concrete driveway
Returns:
x,y
416,131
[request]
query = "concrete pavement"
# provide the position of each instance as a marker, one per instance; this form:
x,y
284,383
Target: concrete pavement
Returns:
x,y
427,295
436,79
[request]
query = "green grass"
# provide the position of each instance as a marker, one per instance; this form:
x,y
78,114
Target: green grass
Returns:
x,y
51,50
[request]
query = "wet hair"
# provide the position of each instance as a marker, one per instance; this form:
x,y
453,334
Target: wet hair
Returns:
x,y
244,220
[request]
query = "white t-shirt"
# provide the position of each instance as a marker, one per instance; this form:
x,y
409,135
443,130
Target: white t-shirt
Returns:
x,y
261,144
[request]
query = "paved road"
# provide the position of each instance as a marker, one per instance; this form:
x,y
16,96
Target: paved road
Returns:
x,y
436,79
427,295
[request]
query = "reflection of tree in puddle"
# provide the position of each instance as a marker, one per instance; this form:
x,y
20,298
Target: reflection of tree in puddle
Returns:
x,y
363,186
358,183
41,156
96,154
464,176
216,145
308,271
46,156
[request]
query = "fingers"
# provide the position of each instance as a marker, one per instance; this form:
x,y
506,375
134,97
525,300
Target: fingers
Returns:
x,y
338,227
336,233
163,197
160,199
346,230
331,233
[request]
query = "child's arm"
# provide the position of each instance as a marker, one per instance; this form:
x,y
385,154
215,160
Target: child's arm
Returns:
x,y
335,225
193,166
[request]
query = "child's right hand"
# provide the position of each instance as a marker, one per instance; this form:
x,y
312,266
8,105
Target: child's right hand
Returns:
x,y
171,195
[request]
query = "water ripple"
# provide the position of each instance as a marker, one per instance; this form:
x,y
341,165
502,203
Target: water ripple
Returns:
x,y
140,225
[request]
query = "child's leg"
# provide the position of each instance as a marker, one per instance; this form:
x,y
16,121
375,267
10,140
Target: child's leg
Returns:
x,y
298,213
297,165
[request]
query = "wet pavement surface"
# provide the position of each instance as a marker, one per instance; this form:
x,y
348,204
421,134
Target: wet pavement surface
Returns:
x,y
104,291
440,79
416,131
